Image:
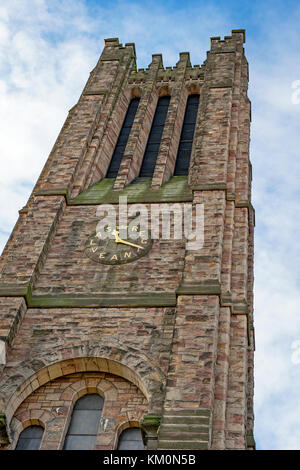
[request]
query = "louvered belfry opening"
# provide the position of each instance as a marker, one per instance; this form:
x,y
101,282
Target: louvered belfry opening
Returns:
x,y
152,148
122,140
186,137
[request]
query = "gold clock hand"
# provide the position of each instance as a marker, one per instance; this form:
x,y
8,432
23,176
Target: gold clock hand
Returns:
x,y
116,234
119,240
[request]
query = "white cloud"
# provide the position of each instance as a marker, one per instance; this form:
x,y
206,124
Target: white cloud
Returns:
x,y
274,150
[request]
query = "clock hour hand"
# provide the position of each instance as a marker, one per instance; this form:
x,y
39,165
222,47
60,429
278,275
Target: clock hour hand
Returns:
x,y
116,234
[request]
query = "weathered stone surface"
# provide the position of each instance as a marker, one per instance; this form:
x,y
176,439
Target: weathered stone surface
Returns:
x,y
51,406
167,339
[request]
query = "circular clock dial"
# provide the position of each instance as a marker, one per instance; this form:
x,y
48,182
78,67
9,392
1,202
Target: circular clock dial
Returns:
x,y
117,250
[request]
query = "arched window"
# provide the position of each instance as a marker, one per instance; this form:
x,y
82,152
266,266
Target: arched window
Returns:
x,y
30,438
83,428
154,139
187,135
122,140
131,439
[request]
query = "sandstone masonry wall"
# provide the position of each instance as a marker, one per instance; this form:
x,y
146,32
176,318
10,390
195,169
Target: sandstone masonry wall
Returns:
x,y
170,336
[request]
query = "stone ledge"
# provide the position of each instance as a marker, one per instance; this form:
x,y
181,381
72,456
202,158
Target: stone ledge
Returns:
x,y
95,92
209,186
174,190
188,412
199,288
230,197
151,299
187,420
182,445
239,308
184,427
154,299
15,290
181,435
243,203
226,299
52,192
236,308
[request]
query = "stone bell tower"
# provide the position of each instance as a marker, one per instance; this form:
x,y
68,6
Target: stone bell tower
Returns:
x,y
163,335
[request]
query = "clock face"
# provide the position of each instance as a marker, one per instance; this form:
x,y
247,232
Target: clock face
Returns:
x,y
117,250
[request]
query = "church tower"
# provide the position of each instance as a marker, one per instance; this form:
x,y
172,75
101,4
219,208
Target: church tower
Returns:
x,y
111,339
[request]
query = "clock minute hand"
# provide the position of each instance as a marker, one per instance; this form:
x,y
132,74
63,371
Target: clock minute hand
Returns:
x,y
119,240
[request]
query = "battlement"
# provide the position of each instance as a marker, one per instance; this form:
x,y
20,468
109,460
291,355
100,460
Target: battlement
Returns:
x,y
237,35
168,74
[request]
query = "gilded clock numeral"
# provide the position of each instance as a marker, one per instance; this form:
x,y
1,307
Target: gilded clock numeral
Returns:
x,y
94,249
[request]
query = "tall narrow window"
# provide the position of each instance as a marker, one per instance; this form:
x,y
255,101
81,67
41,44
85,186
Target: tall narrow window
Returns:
x,y
122,140
30,438
187,135
83,428
131,439
154,139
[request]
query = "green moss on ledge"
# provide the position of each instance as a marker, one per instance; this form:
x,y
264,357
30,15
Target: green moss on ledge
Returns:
x,y
175,190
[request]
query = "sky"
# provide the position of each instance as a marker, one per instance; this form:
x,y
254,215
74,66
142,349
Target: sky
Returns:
x,y
48,48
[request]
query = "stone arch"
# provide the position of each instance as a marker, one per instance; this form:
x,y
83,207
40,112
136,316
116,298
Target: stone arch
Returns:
x,y
29,418
164,90
135,92
125,425
80,388
129,364
76,390
193,88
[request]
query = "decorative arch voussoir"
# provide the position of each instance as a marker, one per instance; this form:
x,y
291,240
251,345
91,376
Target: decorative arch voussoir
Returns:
x,y
131,365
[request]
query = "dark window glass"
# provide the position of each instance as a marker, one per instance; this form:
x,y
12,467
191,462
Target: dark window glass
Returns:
x,y
122,140
154,139
187,135
30,438
131,439
83,428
